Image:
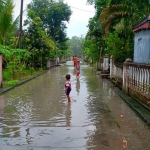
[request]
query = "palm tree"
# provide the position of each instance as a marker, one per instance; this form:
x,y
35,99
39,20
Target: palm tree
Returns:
x,y
6,20
114,12
131,15
1,4
1,1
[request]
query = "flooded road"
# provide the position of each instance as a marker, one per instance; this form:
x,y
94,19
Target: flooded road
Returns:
x,y
36,115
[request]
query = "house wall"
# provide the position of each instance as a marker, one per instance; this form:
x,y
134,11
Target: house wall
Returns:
x,y
142,46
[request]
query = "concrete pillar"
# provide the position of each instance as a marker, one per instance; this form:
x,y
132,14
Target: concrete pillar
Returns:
x,y
57,60
111,66
106,62
126,74
48,64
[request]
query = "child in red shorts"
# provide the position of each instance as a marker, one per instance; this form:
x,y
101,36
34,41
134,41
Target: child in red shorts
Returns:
x,y
78,69
68,87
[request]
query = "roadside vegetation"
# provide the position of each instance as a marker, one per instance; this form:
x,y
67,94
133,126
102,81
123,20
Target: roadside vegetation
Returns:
x,y
43,37
110,30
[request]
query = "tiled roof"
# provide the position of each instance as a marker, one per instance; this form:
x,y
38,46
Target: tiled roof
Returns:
x,y
143,25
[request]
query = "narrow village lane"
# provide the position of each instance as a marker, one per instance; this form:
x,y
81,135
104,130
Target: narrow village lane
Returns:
x,y
36,115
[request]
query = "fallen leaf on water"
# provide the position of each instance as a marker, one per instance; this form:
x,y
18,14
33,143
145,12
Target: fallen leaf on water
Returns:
x,y
121,116
125,142
124,146
123,120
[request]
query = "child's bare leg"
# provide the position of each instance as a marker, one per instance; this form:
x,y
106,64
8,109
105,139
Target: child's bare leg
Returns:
x,y
68,98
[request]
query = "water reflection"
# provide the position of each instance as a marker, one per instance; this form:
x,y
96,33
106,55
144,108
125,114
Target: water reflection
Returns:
x,y
2,104
68,115
74,71
78,86
37,114
27,132
28,137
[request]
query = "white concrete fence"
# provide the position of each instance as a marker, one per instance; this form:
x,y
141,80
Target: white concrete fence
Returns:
x,y
134,77
137,78
55,62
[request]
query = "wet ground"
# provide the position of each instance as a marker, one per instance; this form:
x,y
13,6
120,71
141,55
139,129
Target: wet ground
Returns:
x,y
36,115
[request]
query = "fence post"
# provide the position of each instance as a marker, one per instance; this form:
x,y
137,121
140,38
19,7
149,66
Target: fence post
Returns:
x,y
106,63
48,64
57,60
126,75
111,67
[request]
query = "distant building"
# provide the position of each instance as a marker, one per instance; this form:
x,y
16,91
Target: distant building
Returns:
x,y
142,41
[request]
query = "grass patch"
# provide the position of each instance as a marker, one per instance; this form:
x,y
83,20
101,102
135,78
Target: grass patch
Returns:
x,y
9,81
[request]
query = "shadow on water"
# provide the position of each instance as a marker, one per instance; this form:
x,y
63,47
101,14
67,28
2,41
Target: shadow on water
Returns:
x,y
36,115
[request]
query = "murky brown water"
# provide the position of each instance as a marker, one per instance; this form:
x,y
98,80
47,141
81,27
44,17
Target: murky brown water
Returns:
x,y
36,115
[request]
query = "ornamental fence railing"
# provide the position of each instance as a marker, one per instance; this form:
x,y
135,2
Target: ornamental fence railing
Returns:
x,y
133,78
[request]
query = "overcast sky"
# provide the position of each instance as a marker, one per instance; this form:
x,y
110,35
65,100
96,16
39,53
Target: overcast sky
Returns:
x,y
81,12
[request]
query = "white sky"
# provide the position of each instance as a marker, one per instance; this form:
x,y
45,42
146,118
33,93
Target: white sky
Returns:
x,y
79,19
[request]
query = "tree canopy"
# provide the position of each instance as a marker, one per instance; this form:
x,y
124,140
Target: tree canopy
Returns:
x,y
54,15
111,27
76,45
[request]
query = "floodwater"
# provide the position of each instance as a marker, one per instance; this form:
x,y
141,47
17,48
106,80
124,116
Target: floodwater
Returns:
x,y
36,115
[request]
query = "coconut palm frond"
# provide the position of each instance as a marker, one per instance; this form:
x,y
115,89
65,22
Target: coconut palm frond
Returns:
x,y
112,17
109,10
112,13
2,4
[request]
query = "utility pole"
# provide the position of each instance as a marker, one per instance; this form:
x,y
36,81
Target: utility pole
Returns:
x,y
20,28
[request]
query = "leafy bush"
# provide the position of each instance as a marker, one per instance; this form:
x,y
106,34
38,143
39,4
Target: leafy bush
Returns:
x,y
118,47
6,75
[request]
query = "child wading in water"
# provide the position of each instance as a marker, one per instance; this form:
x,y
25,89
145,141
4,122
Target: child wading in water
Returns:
x,y
68,87
77,69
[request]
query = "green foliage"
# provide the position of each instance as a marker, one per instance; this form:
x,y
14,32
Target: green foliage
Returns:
x,y
14,42
91,51
53,15
116,18
45,25
15,62
10,83
93,41
6,75
76,45
38,43
117,47
7,25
